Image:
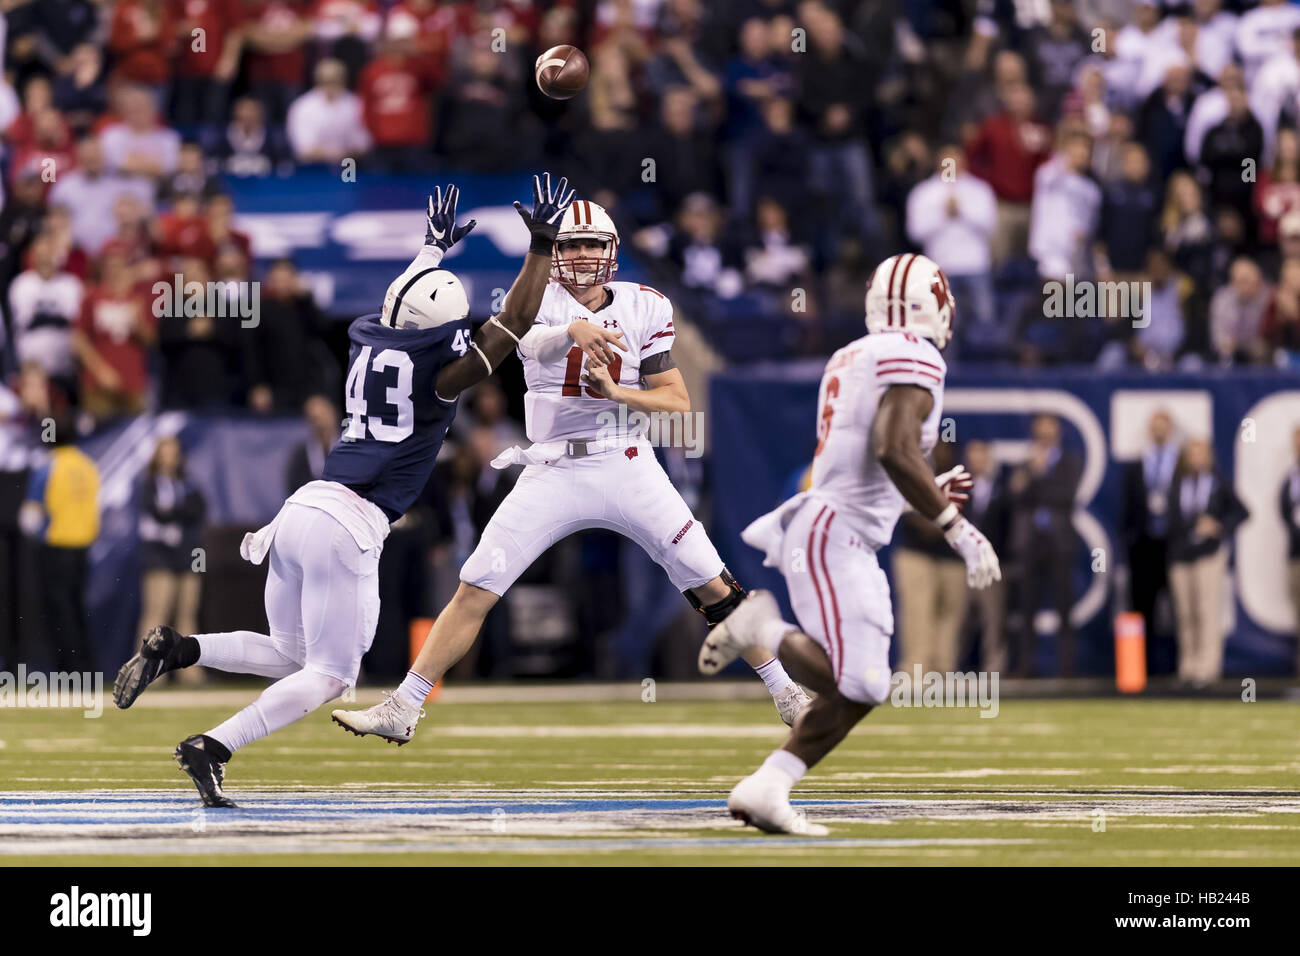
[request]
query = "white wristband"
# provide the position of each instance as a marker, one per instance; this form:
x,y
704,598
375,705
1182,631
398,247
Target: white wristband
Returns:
x,y
474,346
947,516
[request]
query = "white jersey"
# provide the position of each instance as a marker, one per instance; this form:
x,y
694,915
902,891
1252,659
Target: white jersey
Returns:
x,y
558,403
846,469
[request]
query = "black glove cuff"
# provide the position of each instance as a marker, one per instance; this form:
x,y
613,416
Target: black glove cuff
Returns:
x,y
541,245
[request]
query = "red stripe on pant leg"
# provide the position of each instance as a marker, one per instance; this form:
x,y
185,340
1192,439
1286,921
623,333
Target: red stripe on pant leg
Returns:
x,y
835,604
812,569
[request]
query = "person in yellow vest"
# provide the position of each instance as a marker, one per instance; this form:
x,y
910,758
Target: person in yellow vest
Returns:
x,y
62,512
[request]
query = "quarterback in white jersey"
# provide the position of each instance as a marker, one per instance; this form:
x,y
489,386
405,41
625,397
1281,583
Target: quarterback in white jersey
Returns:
x,y
877,416
596,344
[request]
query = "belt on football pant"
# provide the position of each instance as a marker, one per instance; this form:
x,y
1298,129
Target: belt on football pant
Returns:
x,y
546,453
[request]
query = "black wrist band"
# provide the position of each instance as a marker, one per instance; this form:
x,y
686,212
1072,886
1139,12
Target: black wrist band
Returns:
x,y
541,245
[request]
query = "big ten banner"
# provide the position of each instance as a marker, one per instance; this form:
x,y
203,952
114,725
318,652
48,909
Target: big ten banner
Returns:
x,y
764,435
353,238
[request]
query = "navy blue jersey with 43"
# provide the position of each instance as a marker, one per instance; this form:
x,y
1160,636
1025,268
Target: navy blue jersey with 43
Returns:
x,y
395,422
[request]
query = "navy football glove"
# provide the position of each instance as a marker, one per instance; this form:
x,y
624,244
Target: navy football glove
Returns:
x,y
548,209
442,230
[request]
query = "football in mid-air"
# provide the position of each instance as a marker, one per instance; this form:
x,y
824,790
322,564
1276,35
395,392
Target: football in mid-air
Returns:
x,y
562,72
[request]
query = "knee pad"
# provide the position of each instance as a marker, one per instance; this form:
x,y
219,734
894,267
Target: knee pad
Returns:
x,y
717,612
325,686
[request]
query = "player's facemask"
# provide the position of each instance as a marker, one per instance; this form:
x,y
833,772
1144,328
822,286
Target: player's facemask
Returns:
x,y
584,271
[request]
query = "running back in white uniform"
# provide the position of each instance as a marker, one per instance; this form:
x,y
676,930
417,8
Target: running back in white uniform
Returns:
x,y
621,487
825,541
558,404
846,470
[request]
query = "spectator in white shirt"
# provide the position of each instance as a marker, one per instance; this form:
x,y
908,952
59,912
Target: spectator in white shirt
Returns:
x,y
1134,43
327,124
1264,33
1067,205
952,217
140,145
1207,43
44,304
91,193
1274,90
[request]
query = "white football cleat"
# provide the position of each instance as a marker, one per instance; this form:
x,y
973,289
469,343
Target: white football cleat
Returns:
x,y
790,703
760,801
392,720
729,639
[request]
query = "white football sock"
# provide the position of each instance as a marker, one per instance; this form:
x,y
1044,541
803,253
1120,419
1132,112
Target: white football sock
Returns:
x,y
786,764
281,704
414,690
774,676
244,652
772,632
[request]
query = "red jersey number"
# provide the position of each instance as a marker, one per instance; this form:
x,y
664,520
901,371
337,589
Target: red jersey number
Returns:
x,y
573,374
826,413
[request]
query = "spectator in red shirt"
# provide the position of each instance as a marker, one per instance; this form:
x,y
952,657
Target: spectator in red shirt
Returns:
x,y
1280,328
397,102
1278,190
437,26
275,34
38,97
1005,151
142,38
204,69
112,339
49,152
183,232
134,239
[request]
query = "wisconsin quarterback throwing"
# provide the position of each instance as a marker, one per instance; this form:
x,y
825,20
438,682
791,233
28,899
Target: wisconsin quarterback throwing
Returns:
x,y
595,341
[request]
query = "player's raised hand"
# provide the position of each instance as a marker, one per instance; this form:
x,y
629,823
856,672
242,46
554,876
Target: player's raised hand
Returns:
x,y
956,483
596,341
548,209
442,230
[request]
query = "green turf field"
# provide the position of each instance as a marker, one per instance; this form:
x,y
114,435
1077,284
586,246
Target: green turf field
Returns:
x,y
1106,782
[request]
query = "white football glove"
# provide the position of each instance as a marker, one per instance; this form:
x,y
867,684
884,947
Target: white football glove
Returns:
x,y
982,567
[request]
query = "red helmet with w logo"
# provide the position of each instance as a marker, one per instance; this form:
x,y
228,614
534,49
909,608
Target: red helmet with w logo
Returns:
x,y
909,293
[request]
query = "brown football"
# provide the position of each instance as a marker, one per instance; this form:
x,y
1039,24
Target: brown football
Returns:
x,y
562,72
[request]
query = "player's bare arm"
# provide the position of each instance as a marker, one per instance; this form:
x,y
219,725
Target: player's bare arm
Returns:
x,y
896,436
666,392
500,335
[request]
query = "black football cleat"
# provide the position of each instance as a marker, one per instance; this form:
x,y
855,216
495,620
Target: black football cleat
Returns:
x,y
146,667
204,769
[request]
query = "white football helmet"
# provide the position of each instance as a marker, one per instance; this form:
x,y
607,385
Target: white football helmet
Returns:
x,y
585,220
424,298
909,293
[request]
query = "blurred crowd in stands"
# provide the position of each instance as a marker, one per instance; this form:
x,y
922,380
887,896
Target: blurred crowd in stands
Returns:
x,y
763,155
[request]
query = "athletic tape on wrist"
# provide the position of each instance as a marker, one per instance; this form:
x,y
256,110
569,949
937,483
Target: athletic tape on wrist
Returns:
x,y
946,518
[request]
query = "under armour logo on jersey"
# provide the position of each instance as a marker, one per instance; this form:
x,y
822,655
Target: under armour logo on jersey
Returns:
x,y
631,453
610,323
